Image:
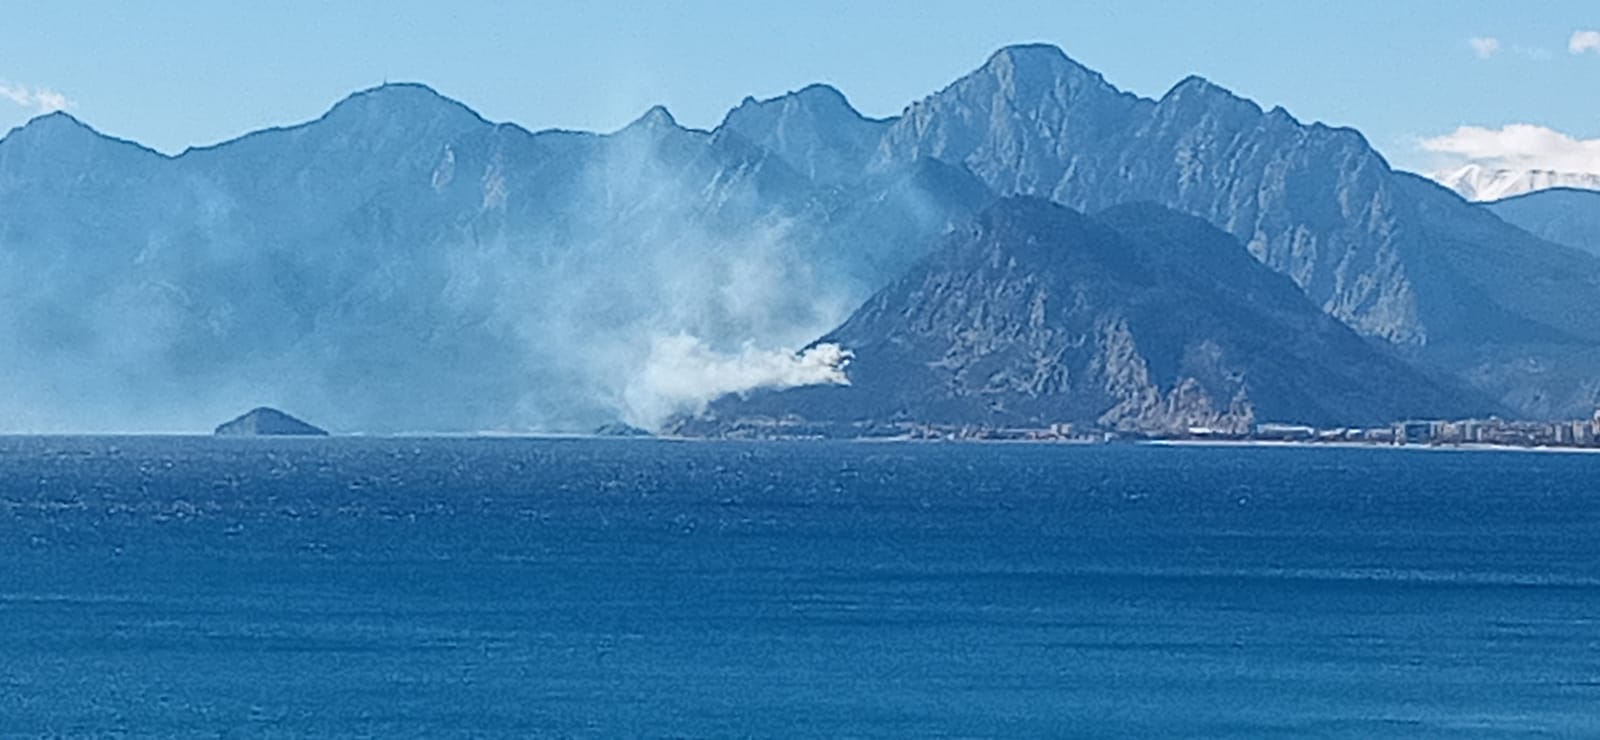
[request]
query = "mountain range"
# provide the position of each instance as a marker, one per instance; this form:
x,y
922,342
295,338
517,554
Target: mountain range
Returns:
x,y
402,264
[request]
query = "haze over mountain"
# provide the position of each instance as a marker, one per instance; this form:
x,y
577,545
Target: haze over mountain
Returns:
x,y
403,264
1139,320
1476,182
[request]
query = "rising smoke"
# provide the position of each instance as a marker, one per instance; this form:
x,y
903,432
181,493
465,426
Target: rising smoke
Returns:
x,y
683,375
496,280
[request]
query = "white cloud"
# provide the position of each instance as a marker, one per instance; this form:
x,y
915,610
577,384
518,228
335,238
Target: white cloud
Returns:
x,y
1519,146
41,100
1584,41
1484,46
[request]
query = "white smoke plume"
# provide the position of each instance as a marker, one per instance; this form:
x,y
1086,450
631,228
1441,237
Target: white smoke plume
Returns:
x,y
683,374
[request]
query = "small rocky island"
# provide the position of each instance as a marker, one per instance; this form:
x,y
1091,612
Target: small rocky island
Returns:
x,y
268,422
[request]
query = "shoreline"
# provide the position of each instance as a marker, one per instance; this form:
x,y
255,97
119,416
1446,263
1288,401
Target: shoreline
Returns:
x,y
1462,447
1075,443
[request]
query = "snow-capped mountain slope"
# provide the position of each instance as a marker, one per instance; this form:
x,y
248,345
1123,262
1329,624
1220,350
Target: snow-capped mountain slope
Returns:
x,y
1484,184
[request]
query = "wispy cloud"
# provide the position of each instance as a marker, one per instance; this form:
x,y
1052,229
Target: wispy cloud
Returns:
x,y
1536,53
40,99
1584,41
1519,146
1484,46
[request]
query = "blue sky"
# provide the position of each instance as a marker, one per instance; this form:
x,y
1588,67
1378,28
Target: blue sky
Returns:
x,y
179,73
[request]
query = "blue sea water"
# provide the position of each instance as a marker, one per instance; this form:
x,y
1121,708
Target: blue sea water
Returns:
x,y
175,587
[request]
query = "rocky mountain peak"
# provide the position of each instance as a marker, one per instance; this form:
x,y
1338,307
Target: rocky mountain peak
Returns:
x,y
1197,88
1034,59
818,102
53,129
1026,72
402,101
656,119
814,130
58,146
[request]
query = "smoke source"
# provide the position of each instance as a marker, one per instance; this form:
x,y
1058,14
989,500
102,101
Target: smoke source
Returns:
x,y
683,375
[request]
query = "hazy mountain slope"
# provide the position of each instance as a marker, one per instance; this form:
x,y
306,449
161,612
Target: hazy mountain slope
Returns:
x,y
1562,215
401,264
1139,319
1485,184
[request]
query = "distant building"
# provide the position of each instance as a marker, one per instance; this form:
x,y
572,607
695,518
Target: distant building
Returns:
x,y
1416,432
1286,432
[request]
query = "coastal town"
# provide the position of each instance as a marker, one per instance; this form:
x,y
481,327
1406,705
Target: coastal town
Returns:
x,y
1490,432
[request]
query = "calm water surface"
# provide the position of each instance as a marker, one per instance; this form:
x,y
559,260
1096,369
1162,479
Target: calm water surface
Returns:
x,y
174,587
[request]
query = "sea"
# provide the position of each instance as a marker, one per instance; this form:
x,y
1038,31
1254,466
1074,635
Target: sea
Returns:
x,y
168,587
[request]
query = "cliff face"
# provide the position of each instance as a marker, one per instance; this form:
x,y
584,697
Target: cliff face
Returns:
x,y
1138,320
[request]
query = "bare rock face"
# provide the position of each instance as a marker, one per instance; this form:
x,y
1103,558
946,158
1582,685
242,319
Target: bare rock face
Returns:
x,y
268,422
1139,320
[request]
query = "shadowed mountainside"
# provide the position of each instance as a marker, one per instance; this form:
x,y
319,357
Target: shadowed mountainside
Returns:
x,y
1139,319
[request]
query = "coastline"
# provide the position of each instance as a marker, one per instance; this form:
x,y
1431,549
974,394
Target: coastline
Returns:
x,y
1463,447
